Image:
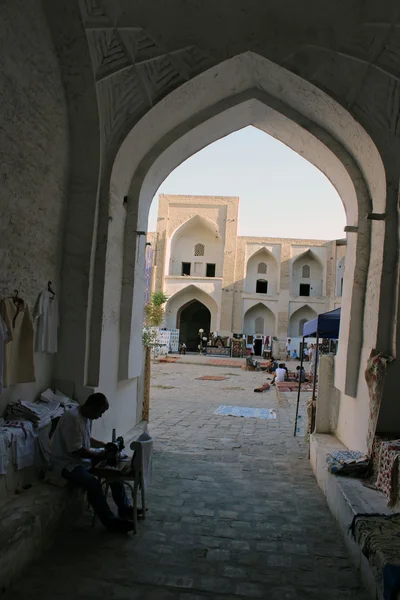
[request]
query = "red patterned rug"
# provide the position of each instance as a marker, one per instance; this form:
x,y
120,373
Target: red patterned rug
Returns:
x,y
168,359
293,387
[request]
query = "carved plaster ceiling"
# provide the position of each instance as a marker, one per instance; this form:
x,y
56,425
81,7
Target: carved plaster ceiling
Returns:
x,y
131,69
355,60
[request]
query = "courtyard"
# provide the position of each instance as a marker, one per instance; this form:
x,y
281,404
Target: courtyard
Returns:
x,y
234,509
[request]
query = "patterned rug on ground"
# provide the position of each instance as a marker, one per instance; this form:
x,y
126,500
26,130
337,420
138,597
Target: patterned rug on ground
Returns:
x,y
287,386
212,378
246,412
379,539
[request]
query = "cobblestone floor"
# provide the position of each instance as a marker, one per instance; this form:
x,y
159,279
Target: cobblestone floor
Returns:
x,y
234,510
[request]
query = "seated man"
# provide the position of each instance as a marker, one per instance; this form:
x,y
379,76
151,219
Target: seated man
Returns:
x,y
251,362
73,454
294,354
300,374
281,374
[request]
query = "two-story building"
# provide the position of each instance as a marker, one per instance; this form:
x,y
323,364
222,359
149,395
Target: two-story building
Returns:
x,y
264,288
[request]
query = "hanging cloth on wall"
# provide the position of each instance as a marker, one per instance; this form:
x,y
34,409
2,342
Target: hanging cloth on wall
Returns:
x,y
3,339
18,351
46,318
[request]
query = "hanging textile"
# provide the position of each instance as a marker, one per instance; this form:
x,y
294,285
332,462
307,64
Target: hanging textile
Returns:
x,y
46,318
18,355
375,378
3,339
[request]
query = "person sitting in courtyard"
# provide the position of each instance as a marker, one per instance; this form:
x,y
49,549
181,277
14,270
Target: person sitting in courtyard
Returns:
x,y
74,453
272,365
300,374
281,374
251,363
182,348
294,355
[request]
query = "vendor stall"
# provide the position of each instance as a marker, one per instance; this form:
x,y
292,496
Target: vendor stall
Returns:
x,y
325,326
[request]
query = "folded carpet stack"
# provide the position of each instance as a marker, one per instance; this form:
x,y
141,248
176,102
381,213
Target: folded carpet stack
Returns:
x,y
39,413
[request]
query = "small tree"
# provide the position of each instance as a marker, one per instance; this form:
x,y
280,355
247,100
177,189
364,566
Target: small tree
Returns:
x,y
154,310
154,314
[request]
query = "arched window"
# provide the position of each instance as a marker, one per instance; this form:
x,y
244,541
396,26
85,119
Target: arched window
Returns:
x,y
259,325
262,268
199,250
261,286
302,322
306,272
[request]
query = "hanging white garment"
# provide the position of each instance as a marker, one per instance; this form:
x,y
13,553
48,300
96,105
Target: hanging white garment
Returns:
x,y
46,316
18,351
3,339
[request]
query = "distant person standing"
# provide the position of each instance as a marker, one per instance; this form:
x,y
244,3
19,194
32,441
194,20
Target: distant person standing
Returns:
x,y
288,349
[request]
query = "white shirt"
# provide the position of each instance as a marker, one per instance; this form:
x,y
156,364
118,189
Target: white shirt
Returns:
x,y
72,433
280,375
46,315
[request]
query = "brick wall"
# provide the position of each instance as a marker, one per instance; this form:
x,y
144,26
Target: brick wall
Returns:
x,y
33,163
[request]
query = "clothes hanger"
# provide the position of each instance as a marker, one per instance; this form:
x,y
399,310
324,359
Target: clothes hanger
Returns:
x,y
19,303
50,289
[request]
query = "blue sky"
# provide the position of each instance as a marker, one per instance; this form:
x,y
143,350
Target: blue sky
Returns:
x,y
281,194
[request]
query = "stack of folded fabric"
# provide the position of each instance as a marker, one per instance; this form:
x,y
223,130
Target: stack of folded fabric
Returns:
x,y
39,413
65,401
348,462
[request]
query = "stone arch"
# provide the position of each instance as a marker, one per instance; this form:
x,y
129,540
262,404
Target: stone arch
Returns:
x,y
300,316
302,322
183,298
262,268
253,90
263,256
180,245
310,261
253,316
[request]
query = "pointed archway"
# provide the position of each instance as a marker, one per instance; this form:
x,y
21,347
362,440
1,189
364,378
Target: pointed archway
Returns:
x,y
298,318
192,317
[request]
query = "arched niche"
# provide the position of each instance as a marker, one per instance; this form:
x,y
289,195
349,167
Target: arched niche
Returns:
x,y
262,265
250,90
257,315
198,233
307,275
299,317
183,298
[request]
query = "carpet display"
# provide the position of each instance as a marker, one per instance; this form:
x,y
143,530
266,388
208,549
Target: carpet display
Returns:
x,y
348,462
385,456
379,539
375,378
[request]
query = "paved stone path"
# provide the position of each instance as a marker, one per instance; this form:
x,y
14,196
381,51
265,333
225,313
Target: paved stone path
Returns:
x,y
234,510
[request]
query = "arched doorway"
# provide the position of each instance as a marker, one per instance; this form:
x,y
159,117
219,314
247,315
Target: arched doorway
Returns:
x,y
191,317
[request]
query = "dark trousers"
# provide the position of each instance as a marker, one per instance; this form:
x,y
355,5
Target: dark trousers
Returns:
x,y
84,479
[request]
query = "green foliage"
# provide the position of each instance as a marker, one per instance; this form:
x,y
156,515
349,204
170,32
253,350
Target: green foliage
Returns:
x,y
154,315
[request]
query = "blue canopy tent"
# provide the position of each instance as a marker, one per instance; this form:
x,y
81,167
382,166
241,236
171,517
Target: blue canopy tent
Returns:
x,y
326,326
